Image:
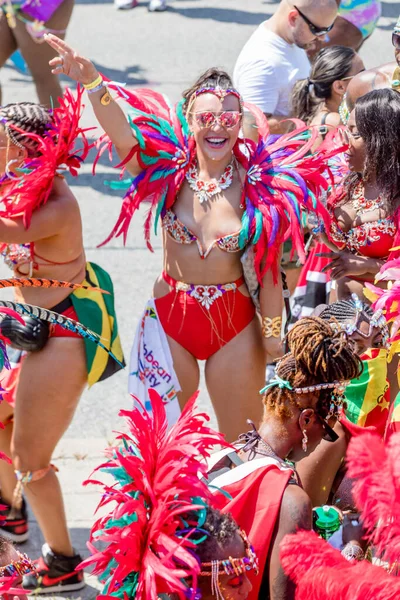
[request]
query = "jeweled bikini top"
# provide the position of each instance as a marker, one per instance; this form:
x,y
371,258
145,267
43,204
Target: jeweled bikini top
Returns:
x,y
373,238
181,234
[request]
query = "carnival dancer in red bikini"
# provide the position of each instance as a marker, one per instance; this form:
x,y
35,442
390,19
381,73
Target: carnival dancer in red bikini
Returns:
x,y
41,235
216,195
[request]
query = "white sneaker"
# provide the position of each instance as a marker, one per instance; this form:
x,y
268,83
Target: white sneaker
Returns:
x,y
125,4
157,5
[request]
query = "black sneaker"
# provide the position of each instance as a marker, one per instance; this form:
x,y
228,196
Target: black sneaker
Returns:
x,y
54,574
14,524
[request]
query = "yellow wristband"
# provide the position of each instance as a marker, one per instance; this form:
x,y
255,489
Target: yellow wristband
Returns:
x,y
93,84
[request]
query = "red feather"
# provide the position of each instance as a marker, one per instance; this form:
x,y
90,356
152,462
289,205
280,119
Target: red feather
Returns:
x,y
57,149
158,480
319,571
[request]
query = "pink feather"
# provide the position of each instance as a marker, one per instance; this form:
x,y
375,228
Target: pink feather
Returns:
x,y
162,479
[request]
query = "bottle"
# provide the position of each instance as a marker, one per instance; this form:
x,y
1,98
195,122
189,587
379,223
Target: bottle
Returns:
x,y
326,521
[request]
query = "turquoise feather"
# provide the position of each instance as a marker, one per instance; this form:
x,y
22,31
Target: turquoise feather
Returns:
x,y
259,225
121,184
137,132
160,206
161,174
244,231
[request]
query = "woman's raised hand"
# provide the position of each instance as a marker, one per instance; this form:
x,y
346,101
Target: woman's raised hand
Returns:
x,y
69,62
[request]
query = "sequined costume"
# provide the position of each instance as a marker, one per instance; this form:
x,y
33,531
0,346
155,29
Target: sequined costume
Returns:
x,y
281,175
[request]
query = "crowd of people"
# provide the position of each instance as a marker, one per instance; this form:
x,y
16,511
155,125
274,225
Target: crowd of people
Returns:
x,y
277,191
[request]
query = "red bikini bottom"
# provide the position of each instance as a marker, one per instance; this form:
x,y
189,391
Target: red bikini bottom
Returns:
x,y
204,318
65,308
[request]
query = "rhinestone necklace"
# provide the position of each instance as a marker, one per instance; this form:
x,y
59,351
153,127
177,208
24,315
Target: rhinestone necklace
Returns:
x,y
205,190
362,204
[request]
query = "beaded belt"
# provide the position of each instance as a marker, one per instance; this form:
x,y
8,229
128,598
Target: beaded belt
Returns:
x,y
205,295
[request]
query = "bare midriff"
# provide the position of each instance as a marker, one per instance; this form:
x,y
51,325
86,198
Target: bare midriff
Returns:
x,y
220,218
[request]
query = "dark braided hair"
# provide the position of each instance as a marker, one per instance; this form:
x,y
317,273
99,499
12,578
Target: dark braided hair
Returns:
x,y
220,529
30,118
344,310
317,354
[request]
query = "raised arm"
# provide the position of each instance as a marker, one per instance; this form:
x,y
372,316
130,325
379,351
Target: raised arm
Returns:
x,y
111,117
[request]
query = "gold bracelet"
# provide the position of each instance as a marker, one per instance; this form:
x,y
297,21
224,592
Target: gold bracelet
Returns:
x,y
98,81
271,327
106,97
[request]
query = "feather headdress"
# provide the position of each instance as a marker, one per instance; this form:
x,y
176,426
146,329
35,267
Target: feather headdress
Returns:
x,y
158,481
31,188
282,174
321,572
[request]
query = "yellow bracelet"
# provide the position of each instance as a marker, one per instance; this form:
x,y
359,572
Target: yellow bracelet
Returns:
x,y
271,327
95,83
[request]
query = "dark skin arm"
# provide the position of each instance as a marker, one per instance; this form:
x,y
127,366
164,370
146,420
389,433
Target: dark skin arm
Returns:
x,y
295,514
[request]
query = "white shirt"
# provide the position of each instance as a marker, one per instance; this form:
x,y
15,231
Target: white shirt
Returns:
x,y
267,69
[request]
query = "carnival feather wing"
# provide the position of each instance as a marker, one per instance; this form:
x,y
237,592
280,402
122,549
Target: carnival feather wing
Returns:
x,y
164,148
56,149
322,573
375,469
156,487
283,179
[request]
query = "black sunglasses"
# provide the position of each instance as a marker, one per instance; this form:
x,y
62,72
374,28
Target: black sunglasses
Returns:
x,y
396,40
329,434
315,30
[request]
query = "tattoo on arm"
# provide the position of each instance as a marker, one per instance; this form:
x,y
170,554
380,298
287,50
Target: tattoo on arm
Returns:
x,y
300,514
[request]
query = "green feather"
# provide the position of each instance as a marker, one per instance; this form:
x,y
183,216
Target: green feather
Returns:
x,y
160,206
161,174
137,132
259,225
120,184
124,521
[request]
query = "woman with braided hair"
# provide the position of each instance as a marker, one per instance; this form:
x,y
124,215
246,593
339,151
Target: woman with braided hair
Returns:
x,y
368,399
41,236
301,405
23,24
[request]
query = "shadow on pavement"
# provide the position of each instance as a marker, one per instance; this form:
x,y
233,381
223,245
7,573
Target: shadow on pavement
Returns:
x,y
224,15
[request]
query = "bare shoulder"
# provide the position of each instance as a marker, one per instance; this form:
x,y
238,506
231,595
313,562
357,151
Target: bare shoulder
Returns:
x,y
63,199
333,119
296,508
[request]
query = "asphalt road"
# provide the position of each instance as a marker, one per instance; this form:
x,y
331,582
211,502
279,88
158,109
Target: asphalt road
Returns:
x,y
165,51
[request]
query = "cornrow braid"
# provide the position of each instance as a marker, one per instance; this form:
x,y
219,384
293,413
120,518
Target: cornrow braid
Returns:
x,y
317,354
344,310
28,117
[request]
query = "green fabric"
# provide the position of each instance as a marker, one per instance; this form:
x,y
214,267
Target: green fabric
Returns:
x,y
97,312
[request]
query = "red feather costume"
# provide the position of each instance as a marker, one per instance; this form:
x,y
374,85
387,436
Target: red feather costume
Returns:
x,y
321,572
158,479
282,175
